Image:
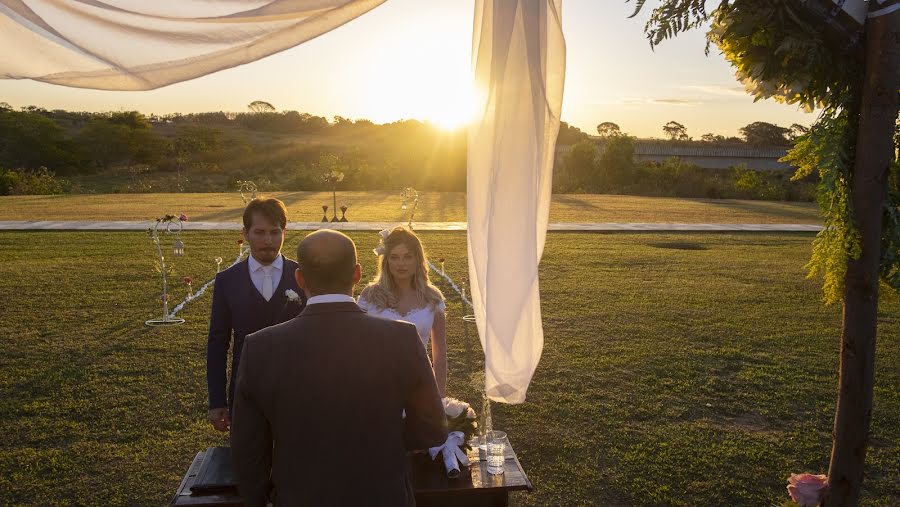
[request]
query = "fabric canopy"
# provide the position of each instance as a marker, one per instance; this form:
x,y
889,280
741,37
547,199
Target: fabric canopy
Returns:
x,y
518,55
141,45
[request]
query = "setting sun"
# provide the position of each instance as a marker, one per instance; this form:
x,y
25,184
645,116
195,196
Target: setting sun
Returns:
x,y
418,71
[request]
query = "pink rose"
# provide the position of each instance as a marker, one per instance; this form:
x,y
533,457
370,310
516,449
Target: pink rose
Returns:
x,y
807,489
183,218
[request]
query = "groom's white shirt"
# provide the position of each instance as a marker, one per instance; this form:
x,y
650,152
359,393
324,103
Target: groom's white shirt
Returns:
x,y
330,298
257,272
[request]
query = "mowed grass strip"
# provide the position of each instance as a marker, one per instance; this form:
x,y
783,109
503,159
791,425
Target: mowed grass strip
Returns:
x,y
678,369
385,206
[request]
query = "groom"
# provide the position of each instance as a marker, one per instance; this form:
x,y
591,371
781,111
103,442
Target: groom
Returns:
x,y
318,411
247,297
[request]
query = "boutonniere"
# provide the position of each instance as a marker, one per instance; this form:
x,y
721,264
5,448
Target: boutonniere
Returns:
x,y
292,296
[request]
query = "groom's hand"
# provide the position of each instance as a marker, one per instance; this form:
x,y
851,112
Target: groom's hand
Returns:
x,y
219,418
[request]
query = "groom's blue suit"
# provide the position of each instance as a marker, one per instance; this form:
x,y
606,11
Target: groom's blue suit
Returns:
x,y
239,309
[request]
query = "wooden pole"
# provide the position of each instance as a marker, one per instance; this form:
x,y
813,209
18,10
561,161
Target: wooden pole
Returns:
x,y
874,152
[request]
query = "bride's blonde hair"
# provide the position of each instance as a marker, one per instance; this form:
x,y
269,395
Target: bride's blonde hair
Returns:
x,y
381,291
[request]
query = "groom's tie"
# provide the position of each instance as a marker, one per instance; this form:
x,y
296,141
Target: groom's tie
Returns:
x,y
267,287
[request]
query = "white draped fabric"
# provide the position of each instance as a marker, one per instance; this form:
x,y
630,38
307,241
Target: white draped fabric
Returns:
x,y
141,44
519,60
518,53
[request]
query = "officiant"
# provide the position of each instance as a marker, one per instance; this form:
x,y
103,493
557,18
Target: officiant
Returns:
x,y
255,293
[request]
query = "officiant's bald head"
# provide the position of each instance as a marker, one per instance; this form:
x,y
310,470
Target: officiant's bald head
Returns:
x,y
328,263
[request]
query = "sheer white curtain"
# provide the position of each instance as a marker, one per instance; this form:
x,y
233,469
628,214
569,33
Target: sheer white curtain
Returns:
x,y
518,52
142,44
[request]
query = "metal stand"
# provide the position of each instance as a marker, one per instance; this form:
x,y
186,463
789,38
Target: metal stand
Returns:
x,y
172,227
409,193
247,188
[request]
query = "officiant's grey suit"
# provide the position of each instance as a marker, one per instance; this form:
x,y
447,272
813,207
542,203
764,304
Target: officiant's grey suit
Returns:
x,y
319,400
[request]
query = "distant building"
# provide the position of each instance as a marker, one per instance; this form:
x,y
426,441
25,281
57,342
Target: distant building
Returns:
x,y
707,156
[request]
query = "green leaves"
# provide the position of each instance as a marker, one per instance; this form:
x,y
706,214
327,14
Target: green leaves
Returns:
x,y
673,17
788,51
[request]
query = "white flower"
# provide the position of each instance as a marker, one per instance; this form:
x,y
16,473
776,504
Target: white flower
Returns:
x,y
379,250
292,295
454,408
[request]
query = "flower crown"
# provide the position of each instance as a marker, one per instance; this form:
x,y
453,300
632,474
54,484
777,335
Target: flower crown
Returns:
x,y
382,237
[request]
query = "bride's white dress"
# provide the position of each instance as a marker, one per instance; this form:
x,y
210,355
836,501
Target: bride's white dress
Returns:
x,y
422,317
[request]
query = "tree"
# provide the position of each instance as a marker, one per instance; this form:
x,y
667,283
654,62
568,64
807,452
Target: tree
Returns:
x,y
796,53
712,138
569,135
760,133
580,164
30,140
116,139
608,129
675,131
616,164
259,106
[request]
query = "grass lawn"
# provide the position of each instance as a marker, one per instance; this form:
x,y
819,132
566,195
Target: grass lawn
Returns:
x,y
678,369
385,206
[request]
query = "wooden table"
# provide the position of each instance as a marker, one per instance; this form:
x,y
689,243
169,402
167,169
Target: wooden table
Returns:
x,y
474,487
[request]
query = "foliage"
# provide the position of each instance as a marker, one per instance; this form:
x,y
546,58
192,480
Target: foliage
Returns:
x,y
569,135
712,138
825,149
760,133
579,166
675,131
120,139
672,18
752,184
260,106
616,163
40,181
30,140
608,129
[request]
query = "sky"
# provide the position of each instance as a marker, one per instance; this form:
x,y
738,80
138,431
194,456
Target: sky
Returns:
x,y
411,59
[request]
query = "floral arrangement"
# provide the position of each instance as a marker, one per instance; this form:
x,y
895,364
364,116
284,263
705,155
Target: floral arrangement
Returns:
x,y
807,489
460,417
461,424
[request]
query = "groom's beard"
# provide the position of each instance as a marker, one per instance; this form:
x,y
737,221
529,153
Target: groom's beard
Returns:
x,y
266,255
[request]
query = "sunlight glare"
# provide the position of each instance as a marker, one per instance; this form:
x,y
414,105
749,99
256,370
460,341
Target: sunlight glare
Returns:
x,y
429,79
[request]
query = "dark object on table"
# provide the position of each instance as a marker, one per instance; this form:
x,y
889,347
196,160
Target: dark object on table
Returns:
x,y
216,475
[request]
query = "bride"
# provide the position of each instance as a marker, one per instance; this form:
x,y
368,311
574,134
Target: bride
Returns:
x,y
401,291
